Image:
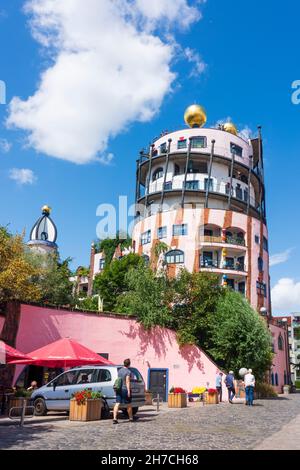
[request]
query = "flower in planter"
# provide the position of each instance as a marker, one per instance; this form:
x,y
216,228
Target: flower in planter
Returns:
x,y
178,390
86,394
212,391
198,390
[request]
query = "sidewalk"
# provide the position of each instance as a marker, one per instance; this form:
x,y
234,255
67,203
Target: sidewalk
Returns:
x,y
288,438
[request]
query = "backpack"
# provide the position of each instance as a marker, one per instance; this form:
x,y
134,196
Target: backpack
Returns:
x,y
118,384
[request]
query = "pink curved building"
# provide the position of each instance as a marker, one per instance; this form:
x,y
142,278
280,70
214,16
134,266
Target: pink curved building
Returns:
x,y
201,192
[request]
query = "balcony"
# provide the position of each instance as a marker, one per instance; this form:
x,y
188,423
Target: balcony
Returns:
x,y
229,240
213,265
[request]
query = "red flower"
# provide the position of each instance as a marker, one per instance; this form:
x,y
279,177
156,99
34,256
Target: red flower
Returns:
x,y
179,390
212,391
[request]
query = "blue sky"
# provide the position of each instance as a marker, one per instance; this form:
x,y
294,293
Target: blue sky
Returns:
x,y
251,52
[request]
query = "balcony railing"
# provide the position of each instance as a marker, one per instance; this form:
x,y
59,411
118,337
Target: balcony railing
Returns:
x,y
229,240
208,264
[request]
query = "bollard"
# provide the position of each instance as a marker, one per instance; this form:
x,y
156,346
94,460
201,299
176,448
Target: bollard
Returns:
x,y
23,412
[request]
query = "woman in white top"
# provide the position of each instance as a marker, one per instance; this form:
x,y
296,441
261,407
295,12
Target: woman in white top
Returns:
x,y
249,381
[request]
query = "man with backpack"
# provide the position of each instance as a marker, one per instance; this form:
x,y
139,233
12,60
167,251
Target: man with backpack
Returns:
x,y
123,391
229,382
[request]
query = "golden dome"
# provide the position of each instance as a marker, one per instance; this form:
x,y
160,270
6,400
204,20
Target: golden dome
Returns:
x,y
231,128
195,116
46,210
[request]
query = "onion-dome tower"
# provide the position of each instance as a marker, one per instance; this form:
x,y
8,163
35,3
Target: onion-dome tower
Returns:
x,y
43,234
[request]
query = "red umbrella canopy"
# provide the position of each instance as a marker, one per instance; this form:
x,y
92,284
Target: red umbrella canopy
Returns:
x,y
66,353
9,354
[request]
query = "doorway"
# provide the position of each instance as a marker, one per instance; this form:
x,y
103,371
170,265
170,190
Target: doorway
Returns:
x,y
158,382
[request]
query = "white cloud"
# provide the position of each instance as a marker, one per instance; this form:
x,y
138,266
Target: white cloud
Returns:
x,y
5,146
286,295
280,258
22,176
199,66
111,66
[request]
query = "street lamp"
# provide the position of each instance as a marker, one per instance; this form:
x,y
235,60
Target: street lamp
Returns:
x,y
263,311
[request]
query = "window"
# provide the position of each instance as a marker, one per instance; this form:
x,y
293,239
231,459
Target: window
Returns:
x,y
210,185
176,169
246,195
257,239
162,232
193,185
260,263
68,378
200,167
236,150
207,259
266,244
84,376
180,230
280,343
239,192
163,148
103,375
272,379
198,142
102,264
135,375
175,257
242,287
230,283
146,237
208,233
261,288
168,186
146,259
229,263
159,173
276,379
182,144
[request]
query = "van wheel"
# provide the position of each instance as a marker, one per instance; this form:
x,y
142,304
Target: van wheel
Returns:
x,y
134,411
40,407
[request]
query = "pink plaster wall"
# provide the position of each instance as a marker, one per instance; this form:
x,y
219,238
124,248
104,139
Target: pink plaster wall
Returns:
x,y
2,320
280,356
121,338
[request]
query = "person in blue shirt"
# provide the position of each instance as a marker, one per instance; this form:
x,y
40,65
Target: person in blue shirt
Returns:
x,y
219,385
229,382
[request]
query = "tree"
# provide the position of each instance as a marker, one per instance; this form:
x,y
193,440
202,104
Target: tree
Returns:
x,y
17,274
146,297
194,297
109,246
53,279
238,336
112,283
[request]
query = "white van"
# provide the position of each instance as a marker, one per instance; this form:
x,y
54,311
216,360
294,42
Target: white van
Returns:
x,y
56,395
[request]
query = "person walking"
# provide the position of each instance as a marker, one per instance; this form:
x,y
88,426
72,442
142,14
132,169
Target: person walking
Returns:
x,y
249,381
123,393
219,385
229,382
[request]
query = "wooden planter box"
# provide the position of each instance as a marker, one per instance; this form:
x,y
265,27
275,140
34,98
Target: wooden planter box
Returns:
x,y
148,398
16,402
177,400
90,410
211,398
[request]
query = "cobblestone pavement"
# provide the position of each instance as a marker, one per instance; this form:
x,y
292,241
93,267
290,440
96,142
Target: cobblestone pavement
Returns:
x,y
221,426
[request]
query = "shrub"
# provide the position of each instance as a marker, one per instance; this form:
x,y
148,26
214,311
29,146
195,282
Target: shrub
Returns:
x,y
264,390
297,383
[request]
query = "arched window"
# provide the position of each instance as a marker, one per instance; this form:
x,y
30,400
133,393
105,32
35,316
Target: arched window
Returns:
x,y
276,379
158,174
272,379
175,257
146,259
280,343
260,263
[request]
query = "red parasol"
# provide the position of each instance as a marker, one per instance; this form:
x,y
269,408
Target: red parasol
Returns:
x,y
64,353
9,354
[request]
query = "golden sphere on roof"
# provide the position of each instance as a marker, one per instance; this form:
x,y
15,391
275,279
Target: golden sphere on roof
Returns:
x,y
231,128
46,210
195,116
